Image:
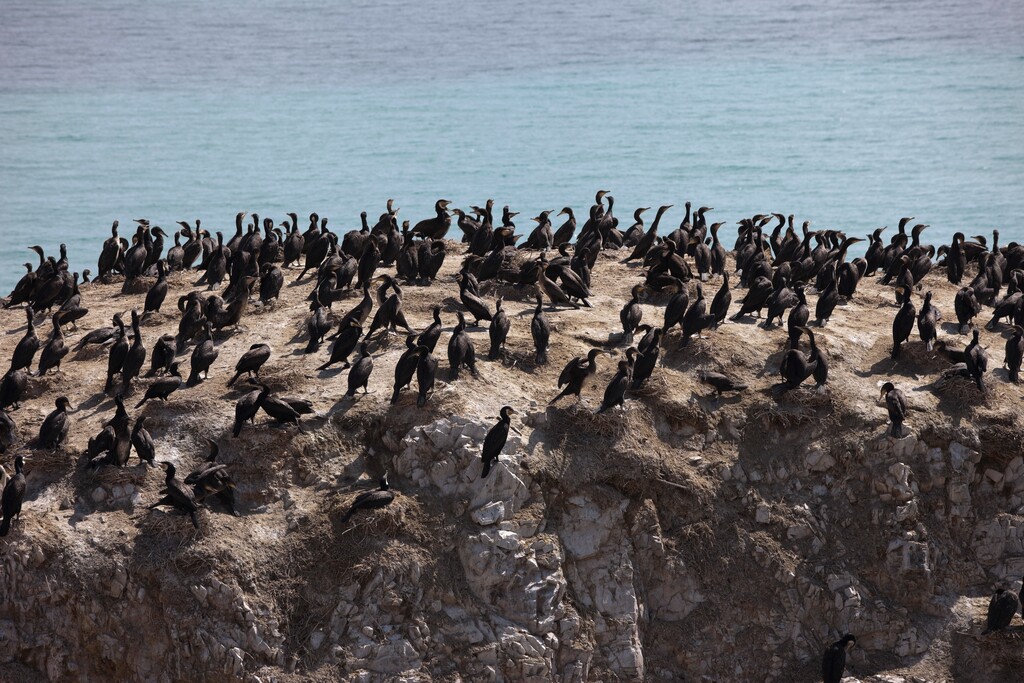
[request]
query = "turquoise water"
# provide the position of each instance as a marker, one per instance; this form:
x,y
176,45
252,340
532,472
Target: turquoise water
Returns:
x,y
846,114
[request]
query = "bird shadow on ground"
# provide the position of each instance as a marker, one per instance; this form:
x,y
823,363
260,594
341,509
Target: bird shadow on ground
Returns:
x,y
101,402
952,329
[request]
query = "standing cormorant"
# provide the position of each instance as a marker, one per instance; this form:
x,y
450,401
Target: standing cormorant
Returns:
x,y
927,322
565,232
251,361
631,314
54,351
143,442
498,330
405,367
896,403
135,357
1001,610
540,330
977,360
246,409
460,349
1014,353
177,496
721,383
966,305
157,293
615,392
647,359
203,356
576,372
163,387
359,375
426,373
903,323
27,346
833,664
54,430
212,479
13,495
495,439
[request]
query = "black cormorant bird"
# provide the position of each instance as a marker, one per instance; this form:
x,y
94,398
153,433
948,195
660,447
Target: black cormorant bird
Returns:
x,y
631,314
576,372
426,373
12,388
615,392
927,322
405,367
251,361
371,500
203,356
541,332
212,479
246,409
498,330
54,430
177,496
460,349
359,375
1001,610
134,358
27,347
833,664
896,403
495,439
54,351
721,383
13,495
903,322
976,359
966,305
1012,359
142,442
163,387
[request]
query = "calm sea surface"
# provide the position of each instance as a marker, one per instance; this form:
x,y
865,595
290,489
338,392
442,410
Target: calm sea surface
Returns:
x,y
849,114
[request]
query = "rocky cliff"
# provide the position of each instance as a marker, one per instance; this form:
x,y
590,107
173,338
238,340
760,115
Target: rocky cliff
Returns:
x,y
682,537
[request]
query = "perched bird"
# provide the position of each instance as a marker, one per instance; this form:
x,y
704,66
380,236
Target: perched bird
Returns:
x,y
175,495
405,367
631,314
976,359
13,496
721,383
540,330
143,443
460,349
495,439
833,664
426,374
1001,609
212,479
576,372
203,356
371,500
251,361
359,375
498,330
246,409
163,387
903,323
896,403
54,430
1014,355
615,392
